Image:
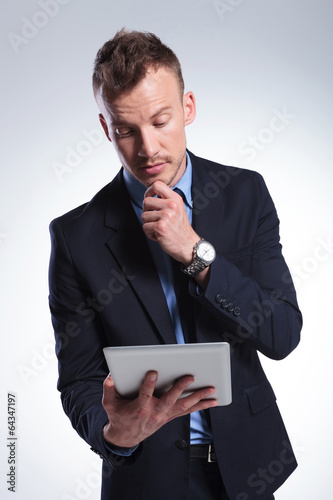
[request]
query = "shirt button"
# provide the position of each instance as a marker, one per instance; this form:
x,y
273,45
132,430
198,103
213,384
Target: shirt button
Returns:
x,y
224,303
181,444
231,307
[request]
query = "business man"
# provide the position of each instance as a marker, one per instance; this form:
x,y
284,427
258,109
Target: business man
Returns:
x,y
117,265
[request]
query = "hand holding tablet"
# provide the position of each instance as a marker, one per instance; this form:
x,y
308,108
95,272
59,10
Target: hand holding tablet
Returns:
x,y
208,363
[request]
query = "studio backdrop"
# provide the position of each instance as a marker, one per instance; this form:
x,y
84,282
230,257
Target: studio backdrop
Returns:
x,y
261,72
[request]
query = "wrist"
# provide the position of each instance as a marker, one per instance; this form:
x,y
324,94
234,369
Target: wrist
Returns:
x,y
190,251
203,254
114,441
202,278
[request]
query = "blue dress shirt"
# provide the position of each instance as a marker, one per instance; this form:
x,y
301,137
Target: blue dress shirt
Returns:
x,y
200,430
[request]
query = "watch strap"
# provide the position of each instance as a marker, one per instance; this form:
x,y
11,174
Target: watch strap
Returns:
x,y
197,265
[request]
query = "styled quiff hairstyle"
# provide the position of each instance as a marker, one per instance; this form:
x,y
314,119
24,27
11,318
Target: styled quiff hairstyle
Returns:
x,y
124,60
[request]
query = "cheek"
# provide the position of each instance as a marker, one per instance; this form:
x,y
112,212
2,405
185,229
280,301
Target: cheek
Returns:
x,y
175,136
179,141
123,150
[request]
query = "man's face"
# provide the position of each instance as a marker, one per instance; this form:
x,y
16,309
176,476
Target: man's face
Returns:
x,y
147,127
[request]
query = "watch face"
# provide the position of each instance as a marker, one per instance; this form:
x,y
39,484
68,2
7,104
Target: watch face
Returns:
x,y
206,251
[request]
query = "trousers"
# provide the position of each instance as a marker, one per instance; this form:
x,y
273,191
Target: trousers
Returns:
x,y
206,482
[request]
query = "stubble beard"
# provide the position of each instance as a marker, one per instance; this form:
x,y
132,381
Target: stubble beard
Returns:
x,y
175,174
169,182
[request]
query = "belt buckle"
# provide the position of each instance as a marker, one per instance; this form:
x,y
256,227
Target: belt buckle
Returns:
x,y
210,451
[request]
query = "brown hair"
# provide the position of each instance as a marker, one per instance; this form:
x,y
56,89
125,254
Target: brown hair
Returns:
x,y
123,61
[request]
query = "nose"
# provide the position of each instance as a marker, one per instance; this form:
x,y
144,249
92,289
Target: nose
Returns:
x,y
149,145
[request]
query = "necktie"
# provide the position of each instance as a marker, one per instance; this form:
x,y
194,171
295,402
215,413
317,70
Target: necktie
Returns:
x,y
184,299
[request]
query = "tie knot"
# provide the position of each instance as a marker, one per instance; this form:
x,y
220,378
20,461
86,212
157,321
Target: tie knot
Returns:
x,y
180,192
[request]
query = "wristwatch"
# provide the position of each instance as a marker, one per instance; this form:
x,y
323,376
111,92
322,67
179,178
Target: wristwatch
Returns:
x,y
203,255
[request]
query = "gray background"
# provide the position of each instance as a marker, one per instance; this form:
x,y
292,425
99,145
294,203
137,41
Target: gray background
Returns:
x,y
248,62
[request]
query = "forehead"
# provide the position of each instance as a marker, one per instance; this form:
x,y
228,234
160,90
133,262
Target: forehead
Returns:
x,y
159,90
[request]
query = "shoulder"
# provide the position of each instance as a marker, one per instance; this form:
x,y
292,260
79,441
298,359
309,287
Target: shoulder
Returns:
x,y
208,175
90,212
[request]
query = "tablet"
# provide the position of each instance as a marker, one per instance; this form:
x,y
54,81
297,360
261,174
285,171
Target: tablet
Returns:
x,y
209,363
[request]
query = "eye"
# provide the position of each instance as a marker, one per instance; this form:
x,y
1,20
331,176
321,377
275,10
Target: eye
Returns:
x,y
123,131
160,124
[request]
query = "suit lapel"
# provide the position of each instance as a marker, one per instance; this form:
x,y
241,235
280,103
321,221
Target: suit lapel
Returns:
x,y
128,245
207,206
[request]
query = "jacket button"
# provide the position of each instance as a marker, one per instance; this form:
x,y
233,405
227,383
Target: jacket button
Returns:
x,y
231,307
237,311
181,444
219,298
224,304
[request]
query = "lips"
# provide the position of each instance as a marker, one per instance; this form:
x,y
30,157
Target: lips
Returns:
x,y
154,169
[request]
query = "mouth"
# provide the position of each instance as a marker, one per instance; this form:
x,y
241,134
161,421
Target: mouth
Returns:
x,y
154,169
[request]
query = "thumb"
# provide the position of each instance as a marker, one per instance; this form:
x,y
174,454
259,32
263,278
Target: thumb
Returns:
x,y
109,391
108,382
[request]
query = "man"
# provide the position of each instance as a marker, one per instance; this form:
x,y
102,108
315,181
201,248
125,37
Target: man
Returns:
x,y
117,263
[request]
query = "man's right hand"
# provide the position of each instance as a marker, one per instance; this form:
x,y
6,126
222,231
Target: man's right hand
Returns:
x,y
130,422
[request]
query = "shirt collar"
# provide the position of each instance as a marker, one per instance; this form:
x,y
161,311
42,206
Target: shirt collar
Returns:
x,y
137,191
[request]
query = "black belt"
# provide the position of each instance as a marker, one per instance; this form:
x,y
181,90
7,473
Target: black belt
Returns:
x,y
205,451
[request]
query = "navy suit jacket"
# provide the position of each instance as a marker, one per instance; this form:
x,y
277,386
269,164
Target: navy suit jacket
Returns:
x,y
105,290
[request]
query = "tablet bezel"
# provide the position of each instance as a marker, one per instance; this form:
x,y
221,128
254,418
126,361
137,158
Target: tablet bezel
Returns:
x,y
209,363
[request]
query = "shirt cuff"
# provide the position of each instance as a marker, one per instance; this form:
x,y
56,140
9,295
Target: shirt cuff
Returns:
x,y
117,450
199,291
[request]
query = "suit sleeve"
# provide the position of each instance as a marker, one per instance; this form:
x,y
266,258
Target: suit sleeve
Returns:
x,y
257,305
79,344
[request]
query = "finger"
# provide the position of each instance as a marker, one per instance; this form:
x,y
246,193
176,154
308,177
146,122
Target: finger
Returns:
x,y
158,225
153,204
174,393
150,216
147,388
199,396
195,402
167,210
160,189
184,408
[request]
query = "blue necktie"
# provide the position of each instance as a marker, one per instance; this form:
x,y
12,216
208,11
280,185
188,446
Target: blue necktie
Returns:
x,y
184,299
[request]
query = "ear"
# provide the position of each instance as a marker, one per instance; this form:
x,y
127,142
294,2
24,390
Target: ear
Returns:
x,y
189,108
104,125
